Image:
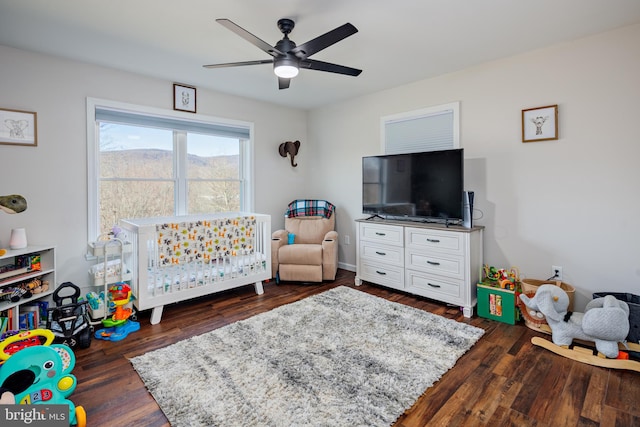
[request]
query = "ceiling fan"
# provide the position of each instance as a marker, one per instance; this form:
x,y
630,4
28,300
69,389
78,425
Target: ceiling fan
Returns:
x,y
289,58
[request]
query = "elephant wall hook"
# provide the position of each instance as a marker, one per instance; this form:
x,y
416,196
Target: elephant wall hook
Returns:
x,y
290,148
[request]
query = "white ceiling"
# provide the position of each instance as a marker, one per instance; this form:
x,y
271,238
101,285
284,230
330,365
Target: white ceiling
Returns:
x,y
398,41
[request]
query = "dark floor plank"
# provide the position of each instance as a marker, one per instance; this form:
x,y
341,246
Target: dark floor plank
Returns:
x,y
502,381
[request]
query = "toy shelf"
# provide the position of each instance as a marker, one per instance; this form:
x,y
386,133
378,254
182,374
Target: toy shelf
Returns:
x,y
5,305
46,273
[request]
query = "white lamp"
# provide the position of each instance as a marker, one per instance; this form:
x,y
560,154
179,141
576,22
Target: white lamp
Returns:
x,y
285,68
18,238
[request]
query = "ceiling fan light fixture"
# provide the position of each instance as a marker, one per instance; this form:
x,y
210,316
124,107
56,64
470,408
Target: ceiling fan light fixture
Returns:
x,y
286,71
287,57
285,68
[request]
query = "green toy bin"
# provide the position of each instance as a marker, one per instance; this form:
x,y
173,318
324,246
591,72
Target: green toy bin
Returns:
x,y
497,304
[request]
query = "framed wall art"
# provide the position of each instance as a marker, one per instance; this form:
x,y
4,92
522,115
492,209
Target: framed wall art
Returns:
x,y
18,127
540,124
184,98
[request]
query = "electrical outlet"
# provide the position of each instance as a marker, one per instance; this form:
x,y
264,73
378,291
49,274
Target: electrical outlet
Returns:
x,y
347,240
556,272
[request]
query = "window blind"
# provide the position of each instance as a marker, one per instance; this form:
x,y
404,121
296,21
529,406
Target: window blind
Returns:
x,y
420,133
129,118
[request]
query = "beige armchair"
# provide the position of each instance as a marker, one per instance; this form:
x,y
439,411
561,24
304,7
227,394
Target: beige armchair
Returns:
x,y
313,256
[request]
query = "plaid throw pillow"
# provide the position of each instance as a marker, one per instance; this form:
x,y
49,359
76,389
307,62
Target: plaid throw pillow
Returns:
x,y
310,208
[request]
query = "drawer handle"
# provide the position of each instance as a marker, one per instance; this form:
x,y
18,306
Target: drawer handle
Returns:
x,y
382,273
433,240
433,263
381,253
432,285
380,234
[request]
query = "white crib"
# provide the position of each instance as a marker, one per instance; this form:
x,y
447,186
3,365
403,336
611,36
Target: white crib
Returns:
x,y
182,257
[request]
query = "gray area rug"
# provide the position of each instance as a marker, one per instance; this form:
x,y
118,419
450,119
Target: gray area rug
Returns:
x,y
339,358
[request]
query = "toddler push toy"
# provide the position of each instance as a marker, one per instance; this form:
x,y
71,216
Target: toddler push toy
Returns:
x,y
69,319
39,374
13,341
119,325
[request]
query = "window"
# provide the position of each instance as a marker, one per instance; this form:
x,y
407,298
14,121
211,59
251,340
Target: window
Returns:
x,y
429,129
146,162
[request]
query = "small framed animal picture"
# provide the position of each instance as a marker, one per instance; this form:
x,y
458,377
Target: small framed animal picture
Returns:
x,y
18,127
540,124
184,98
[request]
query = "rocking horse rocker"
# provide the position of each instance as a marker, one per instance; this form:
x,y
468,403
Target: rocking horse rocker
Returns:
x,y
605,323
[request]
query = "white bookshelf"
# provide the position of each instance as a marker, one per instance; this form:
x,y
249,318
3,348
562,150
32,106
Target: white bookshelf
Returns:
x,y
46,273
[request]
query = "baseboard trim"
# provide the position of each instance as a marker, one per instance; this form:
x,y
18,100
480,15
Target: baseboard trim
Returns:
x,y
345,266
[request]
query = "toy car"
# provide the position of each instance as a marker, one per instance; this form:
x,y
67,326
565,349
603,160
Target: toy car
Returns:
x,y
69,322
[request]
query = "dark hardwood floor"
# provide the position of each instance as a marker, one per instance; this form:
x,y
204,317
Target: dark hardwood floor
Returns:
x,y
502,381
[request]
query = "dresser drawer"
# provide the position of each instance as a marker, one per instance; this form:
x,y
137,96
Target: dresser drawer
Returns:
x,y
431,260
383,234
450,266
435,240
450,291
382,254
382,274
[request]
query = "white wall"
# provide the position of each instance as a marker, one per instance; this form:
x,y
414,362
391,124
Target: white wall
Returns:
x,y
53,175
572,202
569,202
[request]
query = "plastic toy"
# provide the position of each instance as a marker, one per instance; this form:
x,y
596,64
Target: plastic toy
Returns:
x,y
69,322
604,322
40,375
506,279
14,341
23,290
6,397
119,325
95,300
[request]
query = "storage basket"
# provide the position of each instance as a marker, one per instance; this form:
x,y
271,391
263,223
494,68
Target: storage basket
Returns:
x,y
532,285
533,322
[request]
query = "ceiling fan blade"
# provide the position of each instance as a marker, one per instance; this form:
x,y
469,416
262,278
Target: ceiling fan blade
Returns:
x,y
259,43
312,64
236,64
307,49
283,83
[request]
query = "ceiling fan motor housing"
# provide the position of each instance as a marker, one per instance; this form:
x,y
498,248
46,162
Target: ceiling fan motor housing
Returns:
x,y
285,45
288,58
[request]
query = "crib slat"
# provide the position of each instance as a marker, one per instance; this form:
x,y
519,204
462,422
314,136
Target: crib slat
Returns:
x,y
157,282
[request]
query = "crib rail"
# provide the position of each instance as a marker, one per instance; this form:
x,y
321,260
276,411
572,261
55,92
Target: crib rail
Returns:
x,y
157,281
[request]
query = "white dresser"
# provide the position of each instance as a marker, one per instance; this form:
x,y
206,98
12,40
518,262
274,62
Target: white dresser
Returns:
x,y
431,260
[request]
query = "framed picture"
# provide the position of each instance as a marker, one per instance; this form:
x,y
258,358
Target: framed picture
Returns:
x,y
540,124
184,98
18,127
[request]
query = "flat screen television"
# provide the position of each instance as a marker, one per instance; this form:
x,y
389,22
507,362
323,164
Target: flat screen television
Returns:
x,y
425,187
